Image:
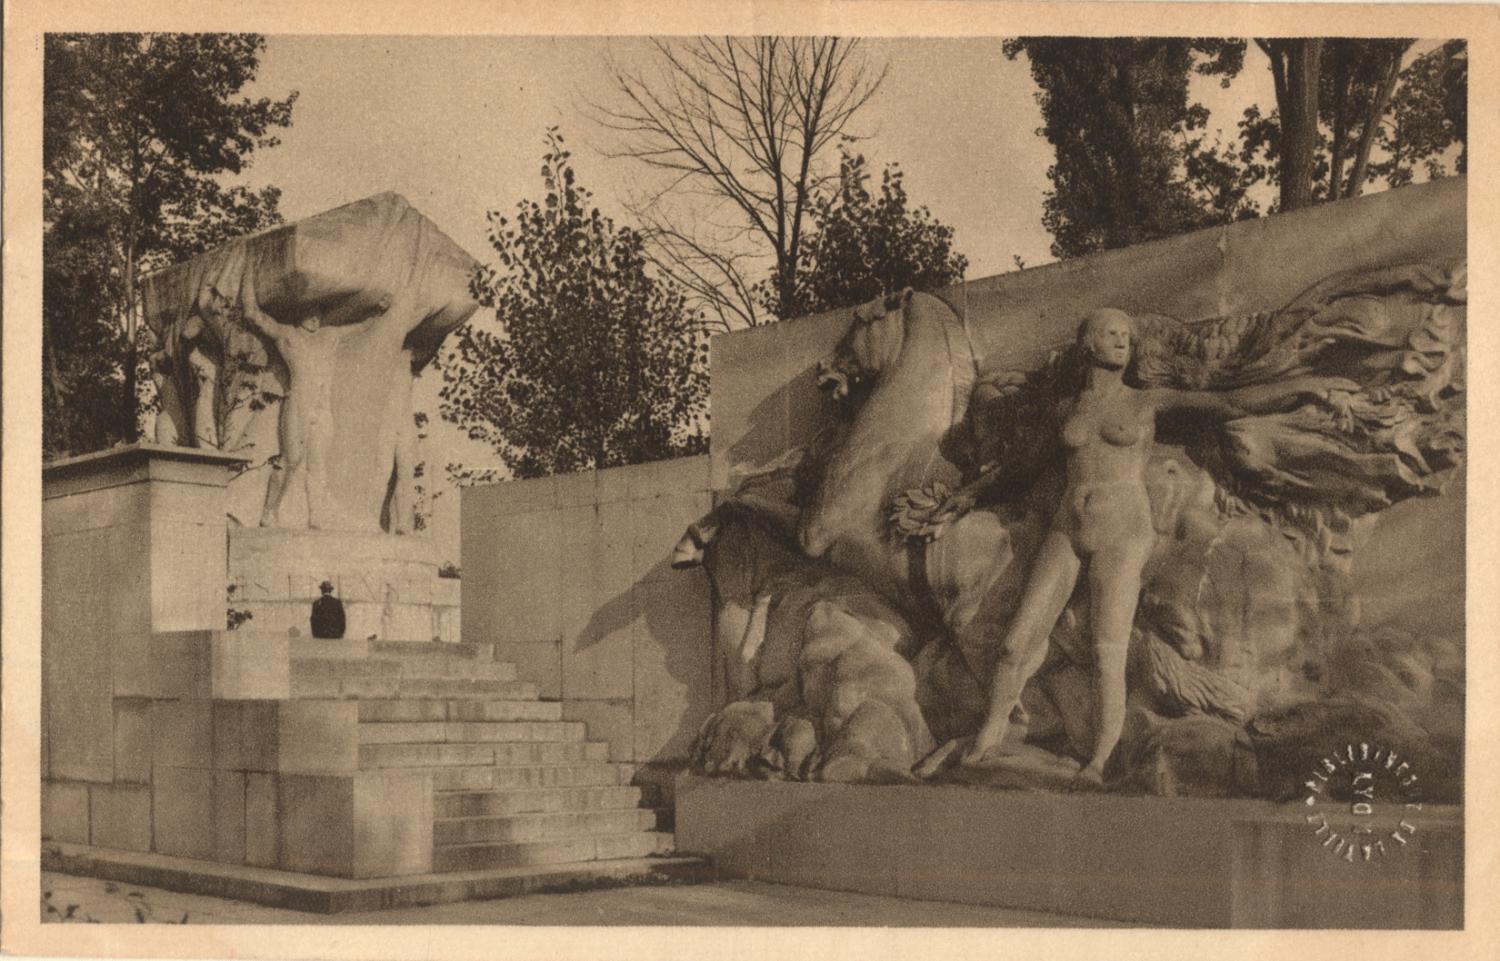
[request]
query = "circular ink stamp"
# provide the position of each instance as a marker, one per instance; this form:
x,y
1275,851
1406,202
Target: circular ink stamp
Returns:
x,y
1363,801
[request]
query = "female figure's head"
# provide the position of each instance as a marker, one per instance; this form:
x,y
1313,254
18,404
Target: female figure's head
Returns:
x,y
1106,338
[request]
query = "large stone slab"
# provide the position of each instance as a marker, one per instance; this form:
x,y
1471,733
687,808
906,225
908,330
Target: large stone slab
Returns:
x,y
364,825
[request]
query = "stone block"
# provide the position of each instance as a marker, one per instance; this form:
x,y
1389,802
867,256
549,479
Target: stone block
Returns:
x,y
245,735
126,579
520,496
228,806
132,741
369,824
612,721
317,736
577,489
657,524
80,706
181,665
709,823
262,826
65,811
187,576
182,734
539,663
182,812
120,816
673,667
596,619
510,585
393,822
122,504
187,503
612,484
614,557
130,663
250,665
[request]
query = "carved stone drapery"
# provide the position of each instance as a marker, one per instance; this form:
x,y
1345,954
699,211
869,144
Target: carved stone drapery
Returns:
x,y
363,294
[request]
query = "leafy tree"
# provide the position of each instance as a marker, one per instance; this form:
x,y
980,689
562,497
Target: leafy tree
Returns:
x,y
139,132
1429,114
592,361
1118,115
1133,162
863,245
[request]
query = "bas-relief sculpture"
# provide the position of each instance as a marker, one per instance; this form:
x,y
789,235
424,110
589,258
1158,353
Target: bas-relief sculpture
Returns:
x,y
1129,568
297,348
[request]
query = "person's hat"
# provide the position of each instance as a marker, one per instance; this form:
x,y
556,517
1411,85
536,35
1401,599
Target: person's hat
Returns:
x,y
326,586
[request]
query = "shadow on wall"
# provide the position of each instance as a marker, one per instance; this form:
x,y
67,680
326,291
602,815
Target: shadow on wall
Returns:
x,y
672,608
791,415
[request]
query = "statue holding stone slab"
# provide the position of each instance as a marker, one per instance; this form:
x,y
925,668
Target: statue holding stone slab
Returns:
x,y
308,338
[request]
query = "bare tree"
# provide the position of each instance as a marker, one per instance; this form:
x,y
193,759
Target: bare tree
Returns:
x,y
736,125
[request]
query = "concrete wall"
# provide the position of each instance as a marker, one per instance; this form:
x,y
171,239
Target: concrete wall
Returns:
x,y
570,577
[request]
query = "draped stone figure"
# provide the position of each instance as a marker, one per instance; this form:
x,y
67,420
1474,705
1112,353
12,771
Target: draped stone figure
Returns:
x,y
297,349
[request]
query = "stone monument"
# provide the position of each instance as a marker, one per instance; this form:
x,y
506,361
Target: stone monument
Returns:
x,y
296,349
188,716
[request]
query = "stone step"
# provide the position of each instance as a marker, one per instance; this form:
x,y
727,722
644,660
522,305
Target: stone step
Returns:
x,y
459,804
422,709
539,827
470,857
472,754
462,688
490,777
465,651
434,667
469,732
392,688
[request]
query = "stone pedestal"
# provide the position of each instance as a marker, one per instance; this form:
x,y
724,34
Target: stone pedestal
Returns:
x,y
388,583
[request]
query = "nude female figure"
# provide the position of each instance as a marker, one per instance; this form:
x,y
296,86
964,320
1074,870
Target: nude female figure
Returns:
x,y
1103,523
306,428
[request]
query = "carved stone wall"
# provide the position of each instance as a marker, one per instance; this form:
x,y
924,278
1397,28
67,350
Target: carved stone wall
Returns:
x,y
1287,602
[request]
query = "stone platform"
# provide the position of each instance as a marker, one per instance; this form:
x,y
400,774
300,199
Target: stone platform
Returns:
x,y
359,759
1180,862
304,892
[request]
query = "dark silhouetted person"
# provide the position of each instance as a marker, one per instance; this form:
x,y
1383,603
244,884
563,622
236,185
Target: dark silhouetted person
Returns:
x,y
327,614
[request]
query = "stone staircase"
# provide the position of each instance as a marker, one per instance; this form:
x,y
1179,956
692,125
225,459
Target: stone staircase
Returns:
x,y
514,785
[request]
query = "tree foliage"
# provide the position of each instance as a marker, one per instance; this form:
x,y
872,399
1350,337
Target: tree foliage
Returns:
x,y
1118,115
592,361
863,245
1134,161
738,126
140,132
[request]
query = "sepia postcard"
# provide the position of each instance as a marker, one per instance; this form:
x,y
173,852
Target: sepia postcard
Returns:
x,y
748,480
